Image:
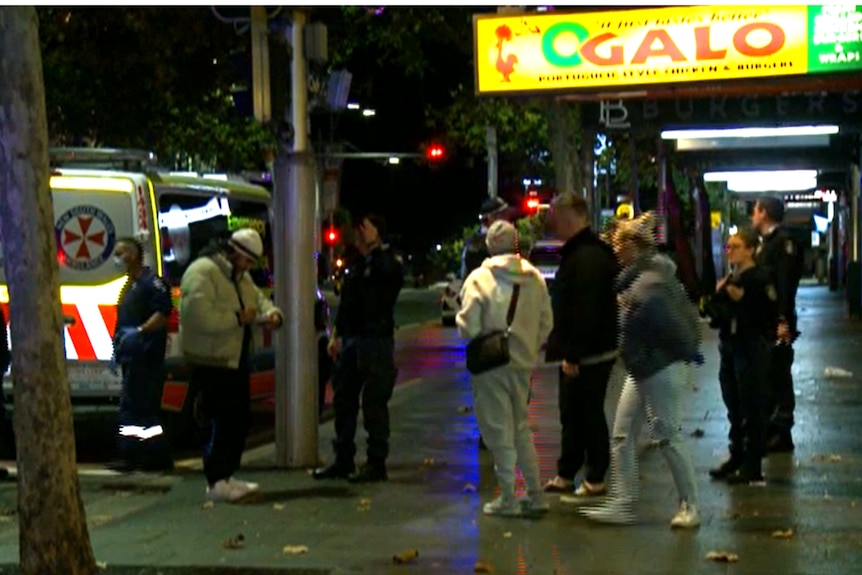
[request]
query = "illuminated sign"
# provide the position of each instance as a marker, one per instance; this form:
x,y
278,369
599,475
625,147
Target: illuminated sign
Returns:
x,y
564,51
239,222
625,211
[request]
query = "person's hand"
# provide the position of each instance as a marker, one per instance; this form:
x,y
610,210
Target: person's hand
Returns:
x,y
735,292
721,283
247,316
783,331
571,369
272,320
334,347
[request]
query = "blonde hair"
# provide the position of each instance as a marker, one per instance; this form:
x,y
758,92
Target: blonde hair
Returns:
x,y
639,232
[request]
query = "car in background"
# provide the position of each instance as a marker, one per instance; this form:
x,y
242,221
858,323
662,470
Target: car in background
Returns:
x,y
450,299
545,255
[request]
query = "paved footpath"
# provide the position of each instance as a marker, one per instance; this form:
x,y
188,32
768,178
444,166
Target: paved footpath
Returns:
x,y
158,524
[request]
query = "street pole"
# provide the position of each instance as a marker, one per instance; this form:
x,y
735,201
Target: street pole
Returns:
x,y
491,144
296,369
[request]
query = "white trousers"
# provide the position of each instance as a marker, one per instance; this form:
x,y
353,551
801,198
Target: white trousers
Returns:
x,y
500,402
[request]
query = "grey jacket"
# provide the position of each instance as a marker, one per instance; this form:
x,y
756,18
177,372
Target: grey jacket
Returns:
x,y
659,325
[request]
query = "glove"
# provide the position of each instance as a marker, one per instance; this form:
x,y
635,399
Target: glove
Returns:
x,y
127,342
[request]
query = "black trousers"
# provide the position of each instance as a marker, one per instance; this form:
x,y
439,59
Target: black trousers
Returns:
x,y
585,438
226,405
365,369
744,389
140,406
782,401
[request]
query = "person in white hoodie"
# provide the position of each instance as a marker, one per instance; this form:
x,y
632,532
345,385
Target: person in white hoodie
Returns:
x,y
501,395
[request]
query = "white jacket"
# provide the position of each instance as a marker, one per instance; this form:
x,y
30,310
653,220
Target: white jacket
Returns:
x,y
210,332
485,298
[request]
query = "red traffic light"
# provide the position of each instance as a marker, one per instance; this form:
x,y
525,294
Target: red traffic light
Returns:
x,y
331,236
435,152
532,203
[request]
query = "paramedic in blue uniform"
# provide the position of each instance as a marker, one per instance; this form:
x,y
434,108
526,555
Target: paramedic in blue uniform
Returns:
x,y
140,340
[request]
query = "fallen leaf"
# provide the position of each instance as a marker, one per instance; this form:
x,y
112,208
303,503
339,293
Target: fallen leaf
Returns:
x,y
697,433
278,506
465,409
364,504
853,504
428,462
234,542
469,488
722,556
481,567
834,458
294,549
208,505
101,565
788,534
406,556
507,534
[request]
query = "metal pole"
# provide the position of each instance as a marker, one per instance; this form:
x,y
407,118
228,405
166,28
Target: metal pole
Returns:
x,y
260,64
296,369
491,143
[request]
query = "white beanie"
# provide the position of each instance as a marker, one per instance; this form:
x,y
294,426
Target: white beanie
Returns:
x,y
247,242
502,238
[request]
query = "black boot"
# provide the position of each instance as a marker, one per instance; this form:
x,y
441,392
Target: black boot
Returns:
x,y
337,470
370,473
781,442
749,472
727,468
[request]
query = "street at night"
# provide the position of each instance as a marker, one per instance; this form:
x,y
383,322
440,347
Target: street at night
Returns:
x,y
804,520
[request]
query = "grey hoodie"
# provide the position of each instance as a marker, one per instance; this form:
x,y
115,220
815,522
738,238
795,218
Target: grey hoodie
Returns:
x,y
659,325
485,298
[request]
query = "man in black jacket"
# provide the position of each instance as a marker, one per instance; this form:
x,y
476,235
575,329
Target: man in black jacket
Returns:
x,y
585,339
780,254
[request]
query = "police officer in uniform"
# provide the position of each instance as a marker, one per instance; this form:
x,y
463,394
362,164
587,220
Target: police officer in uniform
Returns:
x,y
780,254
745,311
140,340
475,251
363,347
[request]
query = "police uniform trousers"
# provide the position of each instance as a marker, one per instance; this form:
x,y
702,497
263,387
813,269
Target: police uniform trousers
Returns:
x,y
744,389
365,369
781,397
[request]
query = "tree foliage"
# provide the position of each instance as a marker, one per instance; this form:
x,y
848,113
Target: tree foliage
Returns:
x,y
146,77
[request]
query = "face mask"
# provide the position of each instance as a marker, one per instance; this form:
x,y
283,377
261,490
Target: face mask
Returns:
x,y
118,261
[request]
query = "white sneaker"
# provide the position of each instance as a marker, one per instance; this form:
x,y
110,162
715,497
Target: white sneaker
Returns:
x,y
248,486
224,491
535,505
687,517
501,506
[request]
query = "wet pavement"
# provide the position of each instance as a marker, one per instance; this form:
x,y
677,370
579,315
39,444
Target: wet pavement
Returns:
x,y
159,524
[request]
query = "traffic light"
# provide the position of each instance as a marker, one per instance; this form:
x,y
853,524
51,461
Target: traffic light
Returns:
x,y
330,236
435,152
532,203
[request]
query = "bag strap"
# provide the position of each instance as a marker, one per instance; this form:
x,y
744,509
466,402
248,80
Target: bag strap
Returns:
x,y
513,304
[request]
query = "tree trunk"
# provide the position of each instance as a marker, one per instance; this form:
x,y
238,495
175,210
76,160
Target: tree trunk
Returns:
x,y
565,141
53,530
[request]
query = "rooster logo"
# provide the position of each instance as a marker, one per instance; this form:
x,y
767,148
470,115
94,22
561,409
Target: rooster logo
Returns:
x,y
507,66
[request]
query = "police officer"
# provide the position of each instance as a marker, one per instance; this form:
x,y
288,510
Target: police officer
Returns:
x,y
140,339
475,251
781,255
745,310
364,350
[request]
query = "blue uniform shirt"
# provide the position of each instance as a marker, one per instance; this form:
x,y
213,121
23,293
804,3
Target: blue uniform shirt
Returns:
x,y
140,299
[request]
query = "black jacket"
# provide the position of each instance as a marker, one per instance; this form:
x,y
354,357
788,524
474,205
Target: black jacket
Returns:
x,y
584,300
755,316
371,287
782,258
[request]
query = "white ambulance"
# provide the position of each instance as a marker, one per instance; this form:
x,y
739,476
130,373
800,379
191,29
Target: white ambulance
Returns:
x,y
101,195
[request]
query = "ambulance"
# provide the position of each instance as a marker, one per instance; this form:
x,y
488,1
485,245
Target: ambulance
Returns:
x,y
101,195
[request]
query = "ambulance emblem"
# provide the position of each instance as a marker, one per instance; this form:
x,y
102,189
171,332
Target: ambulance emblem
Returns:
x,y
85,237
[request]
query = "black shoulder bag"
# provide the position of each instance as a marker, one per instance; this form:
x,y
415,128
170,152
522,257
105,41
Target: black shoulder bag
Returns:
x,y
491,350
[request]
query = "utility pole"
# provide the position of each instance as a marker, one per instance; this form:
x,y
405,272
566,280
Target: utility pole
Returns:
x,y
293,245
491,143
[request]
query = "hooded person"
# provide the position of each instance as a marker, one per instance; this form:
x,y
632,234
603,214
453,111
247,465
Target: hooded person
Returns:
x,y
501,394
659,331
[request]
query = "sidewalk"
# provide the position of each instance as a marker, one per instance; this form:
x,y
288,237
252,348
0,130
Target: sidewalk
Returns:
x,y
150,524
